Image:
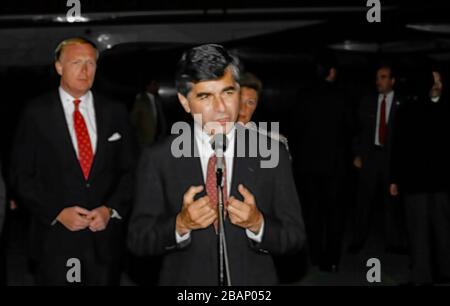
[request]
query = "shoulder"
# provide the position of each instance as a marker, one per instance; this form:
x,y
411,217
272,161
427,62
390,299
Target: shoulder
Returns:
x,y
41,103
161,150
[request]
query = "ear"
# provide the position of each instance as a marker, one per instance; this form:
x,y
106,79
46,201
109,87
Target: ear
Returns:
x,y
184,102
58,67
393,81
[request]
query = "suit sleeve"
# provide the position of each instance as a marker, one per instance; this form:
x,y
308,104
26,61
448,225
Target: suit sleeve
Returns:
x,y
397,147
284,230
152,227
121,197
24,175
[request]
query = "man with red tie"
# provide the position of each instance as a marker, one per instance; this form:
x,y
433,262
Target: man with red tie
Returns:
x,y
175,212
372,147
72,168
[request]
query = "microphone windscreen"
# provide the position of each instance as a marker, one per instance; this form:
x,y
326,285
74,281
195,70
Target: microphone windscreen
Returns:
x,y
219,141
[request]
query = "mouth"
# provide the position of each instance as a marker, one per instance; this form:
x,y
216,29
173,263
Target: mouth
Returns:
x,y
223,121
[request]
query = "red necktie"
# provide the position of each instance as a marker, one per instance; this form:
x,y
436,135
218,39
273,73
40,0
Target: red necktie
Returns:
x,y
85,152
211,185
382,124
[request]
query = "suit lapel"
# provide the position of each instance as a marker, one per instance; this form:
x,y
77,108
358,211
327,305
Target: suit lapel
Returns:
x,y
100,120
244,168
393,109
62,134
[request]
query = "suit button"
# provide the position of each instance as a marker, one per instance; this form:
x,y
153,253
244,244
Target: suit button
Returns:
x,y
88,185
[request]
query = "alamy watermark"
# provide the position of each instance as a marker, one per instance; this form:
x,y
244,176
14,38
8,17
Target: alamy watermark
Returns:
x,y
374,13
258,141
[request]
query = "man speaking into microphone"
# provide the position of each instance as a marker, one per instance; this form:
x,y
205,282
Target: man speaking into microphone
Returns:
x,y
176,203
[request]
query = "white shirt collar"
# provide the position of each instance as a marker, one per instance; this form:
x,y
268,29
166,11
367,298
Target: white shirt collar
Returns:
x,y
389,95
67,99
436,99
203,142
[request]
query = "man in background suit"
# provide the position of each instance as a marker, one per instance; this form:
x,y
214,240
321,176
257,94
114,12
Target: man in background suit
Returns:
x,y
147,116
175,212
324,123
72,169
372,149
420,172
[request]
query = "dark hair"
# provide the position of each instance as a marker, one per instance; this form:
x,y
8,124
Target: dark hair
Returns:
x,y
392,72
203,63
251,81
71,41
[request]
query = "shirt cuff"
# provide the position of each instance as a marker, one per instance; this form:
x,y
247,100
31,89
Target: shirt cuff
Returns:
x,y
183,238
116,215
256,237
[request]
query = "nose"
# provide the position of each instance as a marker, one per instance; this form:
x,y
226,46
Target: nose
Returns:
x,y
219,105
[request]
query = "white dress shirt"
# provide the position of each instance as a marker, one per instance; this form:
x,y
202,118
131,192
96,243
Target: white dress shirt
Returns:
x,y
205,151
389,100
86,108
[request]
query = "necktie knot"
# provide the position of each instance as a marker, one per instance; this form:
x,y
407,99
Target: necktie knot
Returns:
x,y
76,102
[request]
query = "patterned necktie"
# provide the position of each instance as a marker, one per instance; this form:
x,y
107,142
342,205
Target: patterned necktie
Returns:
x,y
382,124
85,152
211,186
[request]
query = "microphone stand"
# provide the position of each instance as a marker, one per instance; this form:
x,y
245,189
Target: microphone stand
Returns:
x,y
224,267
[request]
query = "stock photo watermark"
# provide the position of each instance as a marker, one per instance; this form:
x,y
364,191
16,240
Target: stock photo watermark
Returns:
x,y
252,144
374,13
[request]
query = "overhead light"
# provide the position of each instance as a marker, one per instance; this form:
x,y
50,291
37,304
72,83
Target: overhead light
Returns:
x,y
71,19
438,28
105,41
349,45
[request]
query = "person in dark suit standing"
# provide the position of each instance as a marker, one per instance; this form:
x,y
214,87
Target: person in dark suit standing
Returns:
x,y
72,169
322,145
420,172
175,212
372,149
147,115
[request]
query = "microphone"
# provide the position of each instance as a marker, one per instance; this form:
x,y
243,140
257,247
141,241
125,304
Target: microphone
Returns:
x,y
219,145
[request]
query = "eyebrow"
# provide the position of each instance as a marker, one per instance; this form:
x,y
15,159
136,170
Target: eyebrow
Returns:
x,y
228,88
199,94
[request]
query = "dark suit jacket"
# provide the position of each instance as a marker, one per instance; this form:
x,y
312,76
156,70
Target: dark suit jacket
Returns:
x,y
420,158
47,176
323,125
161,182
364,143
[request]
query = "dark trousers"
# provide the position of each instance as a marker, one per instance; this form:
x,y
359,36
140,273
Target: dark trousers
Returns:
x,y
428,221
53,270
373,194
322,197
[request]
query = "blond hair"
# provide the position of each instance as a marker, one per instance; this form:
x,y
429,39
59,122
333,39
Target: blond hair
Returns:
x,y
72,41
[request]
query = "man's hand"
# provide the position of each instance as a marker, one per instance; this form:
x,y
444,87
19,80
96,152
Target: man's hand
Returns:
x,y
245,214
74,218
393,190
99,218
194,214
357,162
